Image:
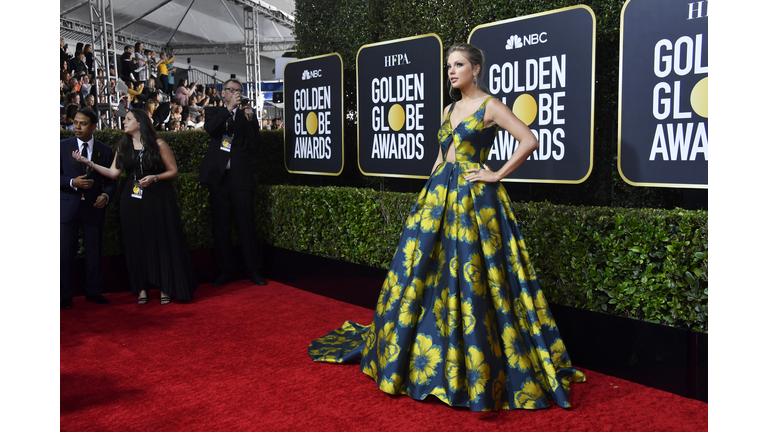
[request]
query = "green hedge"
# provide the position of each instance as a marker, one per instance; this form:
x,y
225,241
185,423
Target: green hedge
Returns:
x,y
637,263
644,264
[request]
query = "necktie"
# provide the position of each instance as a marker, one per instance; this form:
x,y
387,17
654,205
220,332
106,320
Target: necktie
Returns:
x,y
85,155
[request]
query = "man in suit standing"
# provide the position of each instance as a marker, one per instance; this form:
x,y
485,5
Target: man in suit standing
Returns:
x,y
227,169
84,194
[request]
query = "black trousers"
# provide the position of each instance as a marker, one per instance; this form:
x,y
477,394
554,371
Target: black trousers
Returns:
x,y
92,233
228,203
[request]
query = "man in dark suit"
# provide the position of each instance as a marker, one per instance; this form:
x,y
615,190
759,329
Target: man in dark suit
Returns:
x,y
84,194
227,169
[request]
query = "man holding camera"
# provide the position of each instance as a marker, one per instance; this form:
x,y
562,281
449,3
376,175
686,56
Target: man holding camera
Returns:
x,y
227,169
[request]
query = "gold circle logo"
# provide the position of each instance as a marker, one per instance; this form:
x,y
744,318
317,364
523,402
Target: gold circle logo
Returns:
x,y
525,108
396,117
311,123
700,97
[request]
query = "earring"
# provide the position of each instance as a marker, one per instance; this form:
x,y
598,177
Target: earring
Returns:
x,y
474,79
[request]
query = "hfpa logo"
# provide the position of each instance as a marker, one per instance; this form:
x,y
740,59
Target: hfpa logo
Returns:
x,y
516,41
311,74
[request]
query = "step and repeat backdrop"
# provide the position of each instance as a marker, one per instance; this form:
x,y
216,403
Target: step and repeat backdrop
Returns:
x,y
314,115
542,67
663,93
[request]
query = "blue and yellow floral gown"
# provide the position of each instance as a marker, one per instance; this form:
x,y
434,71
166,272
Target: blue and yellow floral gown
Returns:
x,y
461,314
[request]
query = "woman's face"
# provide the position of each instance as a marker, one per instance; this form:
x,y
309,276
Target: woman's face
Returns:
x,y
460,71
130,124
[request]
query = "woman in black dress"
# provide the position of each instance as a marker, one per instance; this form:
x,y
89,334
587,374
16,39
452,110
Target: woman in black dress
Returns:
x,y
154,242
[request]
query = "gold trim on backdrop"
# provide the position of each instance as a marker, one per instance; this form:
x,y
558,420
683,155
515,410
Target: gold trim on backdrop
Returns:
x,y
592,114
357,82
343,118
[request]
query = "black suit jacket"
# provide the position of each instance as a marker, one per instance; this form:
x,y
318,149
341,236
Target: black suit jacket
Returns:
x,y
161,113
70,168
245,140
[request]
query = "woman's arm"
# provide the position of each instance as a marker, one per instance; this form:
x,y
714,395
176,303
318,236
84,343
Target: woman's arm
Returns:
x,y
171,170
498,113
111,172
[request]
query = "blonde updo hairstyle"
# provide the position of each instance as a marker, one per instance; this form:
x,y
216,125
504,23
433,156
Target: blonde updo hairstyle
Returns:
x,y
475,56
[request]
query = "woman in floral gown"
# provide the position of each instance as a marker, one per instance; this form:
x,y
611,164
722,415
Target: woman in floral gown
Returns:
x,y
461,314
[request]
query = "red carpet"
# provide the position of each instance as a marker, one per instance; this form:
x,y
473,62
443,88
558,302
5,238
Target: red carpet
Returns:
x,y
235,359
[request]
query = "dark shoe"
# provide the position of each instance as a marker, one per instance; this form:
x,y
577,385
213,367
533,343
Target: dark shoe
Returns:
x,y
66,303
164,300
256,279
142,300
223,280
97,298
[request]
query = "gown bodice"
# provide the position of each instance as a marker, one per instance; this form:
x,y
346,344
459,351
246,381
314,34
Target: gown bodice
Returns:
x,y
471,139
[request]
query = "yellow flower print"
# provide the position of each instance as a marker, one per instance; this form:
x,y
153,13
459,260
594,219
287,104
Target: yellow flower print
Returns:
x,y
465,216
324,351
489,232
451,216
412,255
437,262
478,188
473,273
499,389
529,396
559,355
424,360
434,206
390,294
414,217
474,123
446,310
514,260
370,369
493,333
549,377
391,385
525,260
440,393
527,318
465,151
478,373
454,266
499,289
542,311
467,316
439,169
388,349
506,204
455,367
516,354
410,306
370,339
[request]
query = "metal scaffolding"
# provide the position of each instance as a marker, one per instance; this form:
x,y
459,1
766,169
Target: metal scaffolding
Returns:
x,y
252,63
104,55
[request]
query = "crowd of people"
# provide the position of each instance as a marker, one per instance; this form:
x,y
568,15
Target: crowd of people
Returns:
x,y
141,79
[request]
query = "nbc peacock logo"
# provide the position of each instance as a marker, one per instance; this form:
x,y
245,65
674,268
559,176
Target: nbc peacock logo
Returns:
x,y
514,41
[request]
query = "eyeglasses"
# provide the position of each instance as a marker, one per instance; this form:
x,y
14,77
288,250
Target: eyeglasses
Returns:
x,y
234,90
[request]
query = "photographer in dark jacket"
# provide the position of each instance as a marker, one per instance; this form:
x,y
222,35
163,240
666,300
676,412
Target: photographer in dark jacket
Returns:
x,y
227,169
